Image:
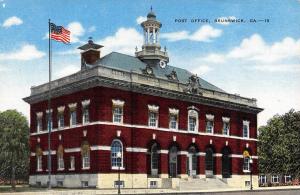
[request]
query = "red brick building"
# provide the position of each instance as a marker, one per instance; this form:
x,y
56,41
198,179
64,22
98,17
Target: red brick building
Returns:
x,y
169,126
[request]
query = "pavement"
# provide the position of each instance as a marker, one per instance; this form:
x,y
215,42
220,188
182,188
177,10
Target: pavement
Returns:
x,y
281,190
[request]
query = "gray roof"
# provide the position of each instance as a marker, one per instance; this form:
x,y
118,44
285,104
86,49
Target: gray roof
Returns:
x,y
133,64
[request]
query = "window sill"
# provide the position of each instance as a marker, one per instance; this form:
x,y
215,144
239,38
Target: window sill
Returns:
x,y
72,169
85,168
39,170
117,168
60,169
246,171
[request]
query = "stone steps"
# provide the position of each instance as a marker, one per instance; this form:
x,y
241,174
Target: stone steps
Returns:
x,y
202,184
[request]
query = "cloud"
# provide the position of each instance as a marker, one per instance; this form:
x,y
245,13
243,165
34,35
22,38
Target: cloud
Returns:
x,y
124,41
140,19
215,58
76,30
202,69
204,34
277,67
12,21
91,29
26,52
67,70
226,20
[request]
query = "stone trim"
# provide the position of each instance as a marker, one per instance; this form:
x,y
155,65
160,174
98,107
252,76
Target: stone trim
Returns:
x,y
39,115
85,103
153,108
173,111
118,103
210,117
225,119
60,109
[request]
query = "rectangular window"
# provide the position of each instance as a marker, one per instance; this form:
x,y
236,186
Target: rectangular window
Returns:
x,y
85,115
39,125
49,118
84,184
275,179
246,164
39,163
246,129
72,163
86,161
262,179
153,184
73,118
60,162
60,184
121,183
209,126
61,121
192,123
225,128
118,114
173,122
153,119
287,179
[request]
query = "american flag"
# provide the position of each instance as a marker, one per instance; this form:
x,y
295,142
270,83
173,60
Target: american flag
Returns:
x,y
59,33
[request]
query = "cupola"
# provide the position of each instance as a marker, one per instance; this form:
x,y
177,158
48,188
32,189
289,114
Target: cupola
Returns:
x,y
90,53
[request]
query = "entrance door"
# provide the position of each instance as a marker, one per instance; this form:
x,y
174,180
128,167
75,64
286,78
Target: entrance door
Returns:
x,y
192,164
209,163
173,161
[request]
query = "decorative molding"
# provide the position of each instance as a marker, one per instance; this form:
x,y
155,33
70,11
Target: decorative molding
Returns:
x,y
210,117
193,113
210,141
193,140
130,149
174,138
72,105
246,122
193,86
182,153
59,137
173,111
226,143
153,108
85,103
225,119
60,109
172,76
47,111
247,145
119,133
39,114
38,140
117,102
84,133
154,136
193,108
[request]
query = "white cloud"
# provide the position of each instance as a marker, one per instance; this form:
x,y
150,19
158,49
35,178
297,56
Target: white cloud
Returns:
x,y
124,41
12,21
76,30
205,34
91,29
26,52
277,67
215,58
202,69
67,70
140,19
226,20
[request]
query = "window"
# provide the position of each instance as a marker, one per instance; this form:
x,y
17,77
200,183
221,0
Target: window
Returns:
x,y
209,123
61,122
287,178
39,124
60,161
262,179
173,161
154,160
226,125
49,120
116,147
84,184
39,163
153,184
85,155
85,115
118,114
275,179
59,183
117,110
246,164
192,120
173,118
121,183
72,163
73,118
246,129
153,115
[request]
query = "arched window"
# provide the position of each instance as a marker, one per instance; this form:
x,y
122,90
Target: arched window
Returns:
x,y
193,121
173,161
209,162
85,154
60,158
154,159
246,161
116,147
192,161
226,163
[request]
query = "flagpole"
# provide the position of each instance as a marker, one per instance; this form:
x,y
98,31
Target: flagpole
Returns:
x,y
49,111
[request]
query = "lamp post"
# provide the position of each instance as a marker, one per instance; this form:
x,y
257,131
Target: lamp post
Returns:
x,y
251,161
119,157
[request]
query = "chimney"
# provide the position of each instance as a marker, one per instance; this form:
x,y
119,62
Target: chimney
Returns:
x,y
90,53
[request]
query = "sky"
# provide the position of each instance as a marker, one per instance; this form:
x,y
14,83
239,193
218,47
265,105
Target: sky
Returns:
x,y
256,58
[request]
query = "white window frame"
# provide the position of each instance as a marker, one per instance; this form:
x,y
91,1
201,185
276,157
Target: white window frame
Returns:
x,y
51,119
39,124
85,115
71,118
273,177
226,120
117,104
173,112
153,110
60,162
193,114
209,120
246,168
86,160
61,123
72,163
246,124
262,179
39,163
113,156
287,176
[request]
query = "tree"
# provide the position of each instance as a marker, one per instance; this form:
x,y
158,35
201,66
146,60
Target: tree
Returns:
x,y
279,145
14,146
